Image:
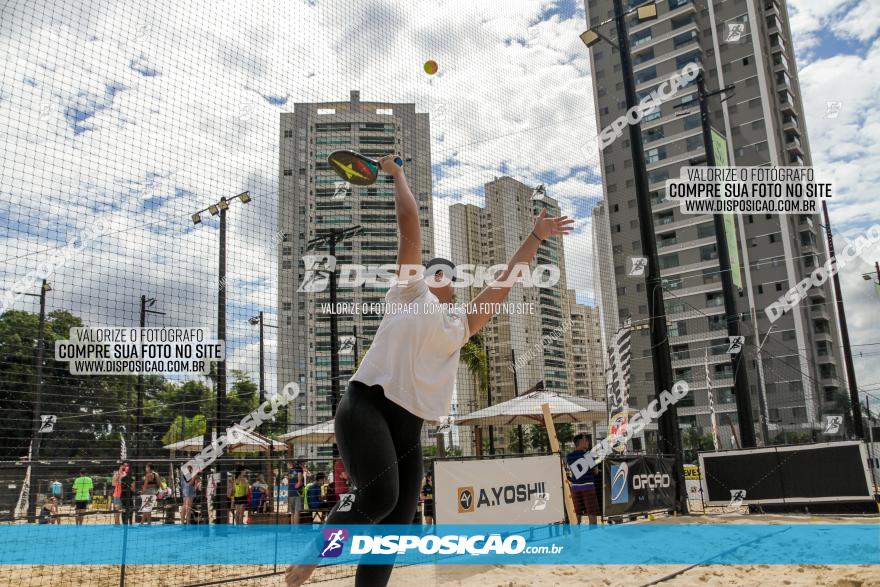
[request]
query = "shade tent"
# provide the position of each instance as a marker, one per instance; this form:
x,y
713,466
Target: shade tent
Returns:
x,y
250,442
526,409
316,434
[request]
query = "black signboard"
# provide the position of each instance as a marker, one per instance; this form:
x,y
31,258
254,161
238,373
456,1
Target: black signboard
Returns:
x,y
638,484
806,473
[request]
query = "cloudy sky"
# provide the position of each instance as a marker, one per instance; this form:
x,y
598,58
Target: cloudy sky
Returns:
x,y
140,113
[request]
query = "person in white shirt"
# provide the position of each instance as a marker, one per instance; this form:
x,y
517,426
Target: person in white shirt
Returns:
x,y
408,376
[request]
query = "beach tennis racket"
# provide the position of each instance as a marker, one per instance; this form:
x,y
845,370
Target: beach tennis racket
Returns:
x,y
355,168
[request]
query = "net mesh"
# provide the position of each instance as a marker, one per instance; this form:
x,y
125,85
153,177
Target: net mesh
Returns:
x,y
132,131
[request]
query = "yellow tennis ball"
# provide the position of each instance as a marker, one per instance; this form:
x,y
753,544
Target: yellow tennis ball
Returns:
x,y
430,67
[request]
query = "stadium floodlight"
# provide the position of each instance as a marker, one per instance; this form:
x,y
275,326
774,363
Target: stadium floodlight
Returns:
x,y
647,12
196,218
590,37
223,204
245,197
214,210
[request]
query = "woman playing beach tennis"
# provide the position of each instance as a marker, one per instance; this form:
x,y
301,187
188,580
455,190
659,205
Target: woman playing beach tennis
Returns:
x,y
408,375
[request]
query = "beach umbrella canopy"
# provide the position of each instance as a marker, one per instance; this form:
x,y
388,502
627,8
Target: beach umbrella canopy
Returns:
x,y
251,442
526,409
317,434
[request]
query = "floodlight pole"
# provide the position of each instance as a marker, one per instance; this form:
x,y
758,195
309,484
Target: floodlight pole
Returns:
x,y
330,240
669,437
222,514
731,315
38,397
855,406
221,497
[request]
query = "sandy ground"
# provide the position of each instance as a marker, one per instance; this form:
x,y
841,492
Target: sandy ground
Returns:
x,y
491,575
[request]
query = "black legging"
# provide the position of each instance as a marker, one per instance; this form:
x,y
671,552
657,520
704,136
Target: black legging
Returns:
x,y
380,445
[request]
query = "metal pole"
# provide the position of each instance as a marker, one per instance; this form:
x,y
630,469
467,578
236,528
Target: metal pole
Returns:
x,y
740,373
489,403
856,407
262,364
38,401
334,344
873,466
762,389
222,498
139,406
355,330
519,428
669,437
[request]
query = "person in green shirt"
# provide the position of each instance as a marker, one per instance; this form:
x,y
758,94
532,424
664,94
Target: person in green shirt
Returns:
x,y
82,495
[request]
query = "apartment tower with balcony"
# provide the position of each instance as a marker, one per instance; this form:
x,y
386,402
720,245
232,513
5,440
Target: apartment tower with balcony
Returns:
x,y
747,44
540,344
312,202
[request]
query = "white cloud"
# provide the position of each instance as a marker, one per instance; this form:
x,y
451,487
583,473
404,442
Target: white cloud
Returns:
x,y
145,113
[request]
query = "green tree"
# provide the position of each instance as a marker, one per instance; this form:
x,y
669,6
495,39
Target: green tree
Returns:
x,y
183,428
91,410
537,438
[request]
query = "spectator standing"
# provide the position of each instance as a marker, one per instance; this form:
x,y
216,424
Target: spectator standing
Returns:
x,y
428,498
295,484
127,495
239,494
119,477
148,491
82,495
259,495
583,488
188,494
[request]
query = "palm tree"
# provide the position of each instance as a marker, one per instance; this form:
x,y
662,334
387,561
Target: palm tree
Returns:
x,y
473,355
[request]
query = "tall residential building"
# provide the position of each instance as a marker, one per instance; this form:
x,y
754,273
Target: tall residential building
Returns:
x,y
603,274
746,43
585,361
488,236
313,202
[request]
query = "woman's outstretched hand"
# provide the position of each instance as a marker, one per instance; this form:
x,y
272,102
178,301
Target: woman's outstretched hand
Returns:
x,y
546,227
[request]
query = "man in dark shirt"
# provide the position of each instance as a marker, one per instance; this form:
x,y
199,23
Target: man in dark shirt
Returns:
x,y
583,488
295,484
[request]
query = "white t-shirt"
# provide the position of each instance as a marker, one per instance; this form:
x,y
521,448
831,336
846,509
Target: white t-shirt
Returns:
x,y
414,354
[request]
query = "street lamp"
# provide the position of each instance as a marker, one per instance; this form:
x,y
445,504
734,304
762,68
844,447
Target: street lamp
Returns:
x,y
258,321
38,400
669,440
221,208
870,276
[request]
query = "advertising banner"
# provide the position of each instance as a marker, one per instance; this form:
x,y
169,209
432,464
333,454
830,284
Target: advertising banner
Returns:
x,y
692,482
719,147
522,490
638,484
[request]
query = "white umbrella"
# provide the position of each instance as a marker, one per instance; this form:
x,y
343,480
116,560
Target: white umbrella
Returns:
x,y
251,442
317,434
526,409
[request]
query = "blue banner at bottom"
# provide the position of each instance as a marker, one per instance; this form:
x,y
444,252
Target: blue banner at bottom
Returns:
x,y
636,544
